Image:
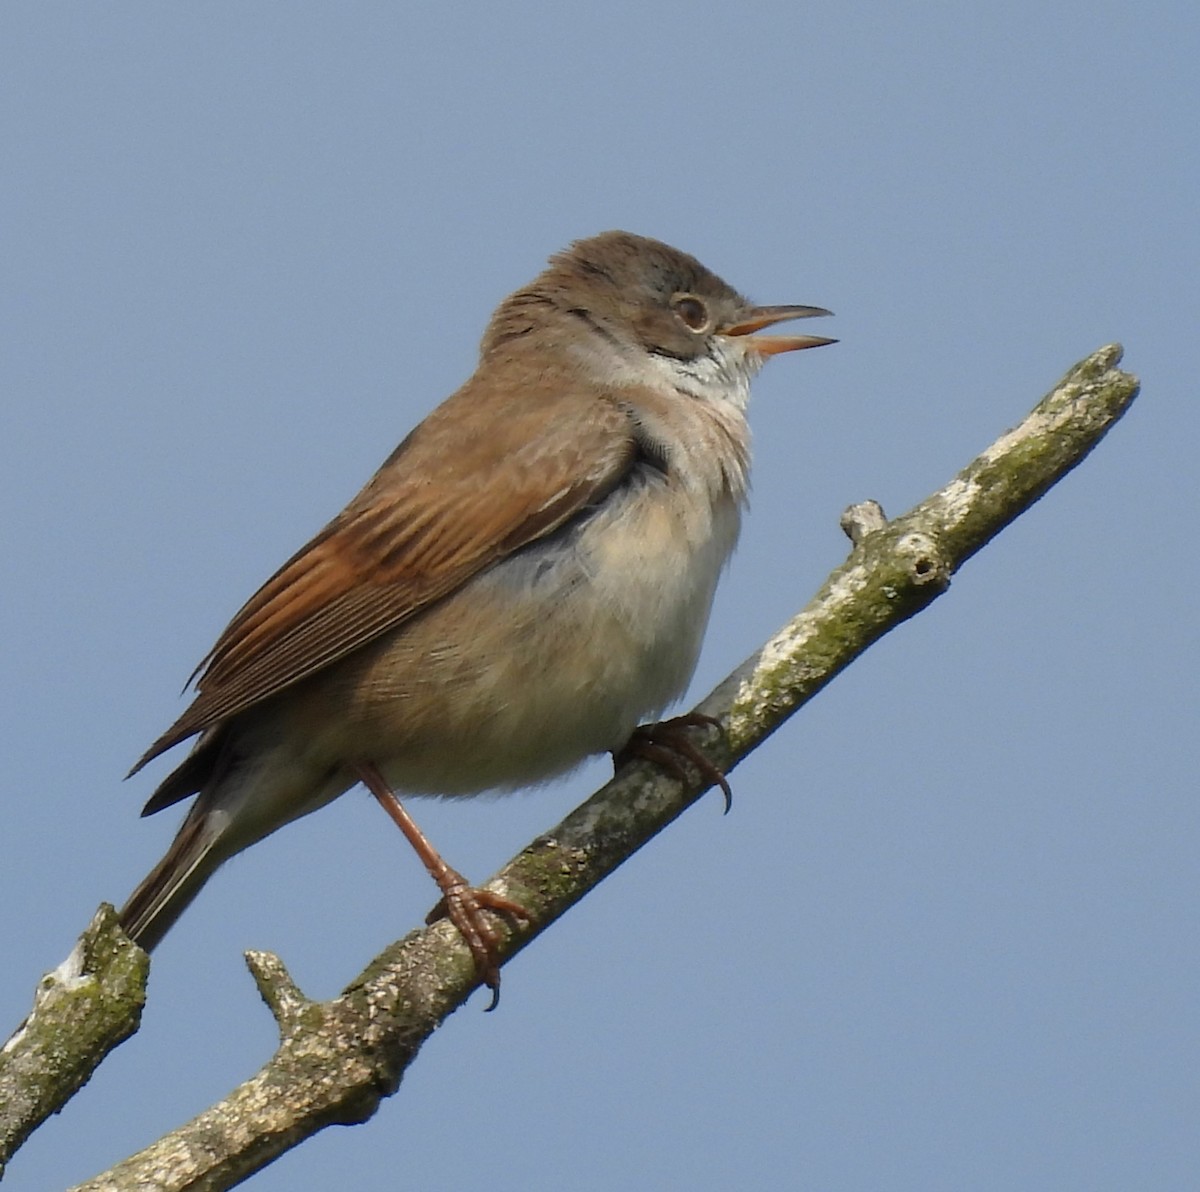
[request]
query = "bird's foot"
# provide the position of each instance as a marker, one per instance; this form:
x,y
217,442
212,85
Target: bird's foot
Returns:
x,y
668,745
466,906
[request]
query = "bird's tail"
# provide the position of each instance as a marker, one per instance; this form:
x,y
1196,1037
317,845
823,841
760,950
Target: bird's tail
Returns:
x,y
194,856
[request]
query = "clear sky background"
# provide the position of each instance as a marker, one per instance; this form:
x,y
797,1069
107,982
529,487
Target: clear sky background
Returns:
x,y
947,938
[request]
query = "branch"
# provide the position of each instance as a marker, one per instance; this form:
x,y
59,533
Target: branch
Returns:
x,y
81,1011
338,1059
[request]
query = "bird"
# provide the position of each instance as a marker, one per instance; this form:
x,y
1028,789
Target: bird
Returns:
x,y
525,580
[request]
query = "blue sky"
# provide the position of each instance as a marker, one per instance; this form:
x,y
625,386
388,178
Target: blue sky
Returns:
x,y
947,937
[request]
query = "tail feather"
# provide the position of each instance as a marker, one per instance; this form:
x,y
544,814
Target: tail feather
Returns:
x,y
167,891
201,768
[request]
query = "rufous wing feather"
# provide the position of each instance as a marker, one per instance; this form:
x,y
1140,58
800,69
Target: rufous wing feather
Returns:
x,y
459,494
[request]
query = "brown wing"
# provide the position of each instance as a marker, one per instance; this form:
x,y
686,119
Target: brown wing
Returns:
x,y
465,489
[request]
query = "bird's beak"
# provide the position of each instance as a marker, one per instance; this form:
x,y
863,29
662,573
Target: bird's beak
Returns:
x,y
767,316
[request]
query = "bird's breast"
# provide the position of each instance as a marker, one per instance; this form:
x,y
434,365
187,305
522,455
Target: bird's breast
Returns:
x,y
551,655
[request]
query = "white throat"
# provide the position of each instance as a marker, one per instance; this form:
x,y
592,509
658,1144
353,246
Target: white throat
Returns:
x,y
721,376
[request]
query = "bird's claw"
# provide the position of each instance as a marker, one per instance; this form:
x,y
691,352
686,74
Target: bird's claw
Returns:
x,y
466,906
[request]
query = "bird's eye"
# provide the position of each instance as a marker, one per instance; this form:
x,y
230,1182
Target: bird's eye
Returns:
x,y
692,311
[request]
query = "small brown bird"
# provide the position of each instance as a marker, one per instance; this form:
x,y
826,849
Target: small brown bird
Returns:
x,y
525,579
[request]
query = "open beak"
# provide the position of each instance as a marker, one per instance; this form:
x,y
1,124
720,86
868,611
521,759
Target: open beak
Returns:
x,y
768,316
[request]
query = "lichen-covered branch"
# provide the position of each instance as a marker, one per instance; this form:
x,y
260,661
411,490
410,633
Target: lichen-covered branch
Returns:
x,y
899,567
338,1059
81,1011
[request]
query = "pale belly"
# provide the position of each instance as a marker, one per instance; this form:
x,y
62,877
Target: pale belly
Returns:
x,y
549,657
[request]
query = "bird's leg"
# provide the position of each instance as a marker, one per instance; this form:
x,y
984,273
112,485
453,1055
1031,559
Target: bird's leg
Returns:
x,y
463,904
667,742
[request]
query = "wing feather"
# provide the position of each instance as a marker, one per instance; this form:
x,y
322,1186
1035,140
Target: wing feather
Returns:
x,y
463,491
